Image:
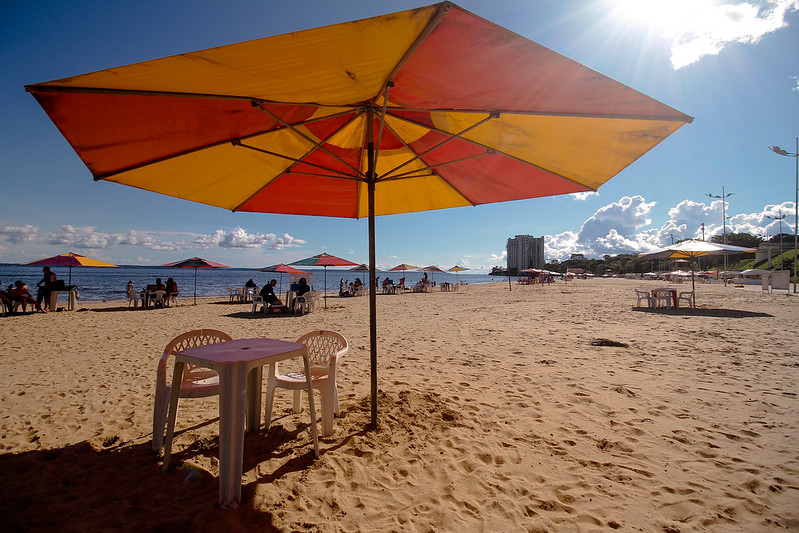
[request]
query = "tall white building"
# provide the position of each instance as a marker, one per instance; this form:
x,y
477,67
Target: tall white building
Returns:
x,y
525,251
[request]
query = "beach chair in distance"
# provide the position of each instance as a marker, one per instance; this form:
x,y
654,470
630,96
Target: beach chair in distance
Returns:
x,y
688,296
133,297
324,349
172,298
662,296
643,296
257,300
197,382
158,298
307,302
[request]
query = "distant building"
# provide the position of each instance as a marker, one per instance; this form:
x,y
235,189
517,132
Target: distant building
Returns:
x,y
578,257
525,251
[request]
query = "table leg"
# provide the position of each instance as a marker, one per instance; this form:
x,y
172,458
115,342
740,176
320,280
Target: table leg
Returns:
x,y
254,378
177,378
314,431
232,391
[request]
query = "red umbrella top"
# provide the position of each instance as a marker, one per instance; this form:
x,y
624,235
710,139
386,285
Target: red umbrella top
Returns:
x,y
195,262
324,260
280,267
403,266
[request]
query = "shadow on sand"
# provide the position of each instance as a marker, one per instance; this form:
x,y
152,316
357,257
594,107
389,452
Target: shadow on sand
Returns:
x,y
703,311
121,487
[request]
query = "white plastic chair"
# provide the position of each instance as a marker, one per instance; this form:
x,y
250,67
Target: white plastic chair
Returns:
x,y
257,300
172,298
324,349
232,294
197,382
133,297
307,301
687,296
662,296
643,296
157,298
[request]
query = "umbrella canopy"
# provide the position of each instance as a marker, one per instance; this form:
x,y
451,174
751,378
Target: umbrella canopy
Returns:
x,y
282,268
403,267
70,259
457,269
363,267
693,249
195,263
324,260
424,109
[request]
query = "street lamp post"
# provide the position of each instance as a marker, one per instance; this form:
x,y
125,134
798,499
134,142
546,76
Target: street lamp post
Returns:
x,y
723,198
777,150
781,217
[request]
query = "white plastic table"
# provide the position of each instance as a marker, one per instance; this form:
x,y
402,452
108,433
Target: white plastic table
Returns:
x,y
239,365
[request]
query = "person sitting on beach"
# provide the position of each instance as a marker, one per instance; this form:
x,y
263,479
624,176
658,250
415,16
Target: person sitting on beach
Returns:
x,y
6,298
250,284
130,288
171,286
341,292
268,294
20,294
303,287
171,290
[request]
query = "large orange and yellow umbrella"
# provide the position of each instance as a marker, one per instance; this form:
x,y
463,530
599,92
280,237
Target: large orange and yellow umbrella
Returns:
x,y
424,109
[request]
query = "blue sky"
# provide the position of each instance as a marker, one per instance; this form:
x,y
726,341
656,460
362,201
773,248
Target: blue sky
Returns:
x,y
732,65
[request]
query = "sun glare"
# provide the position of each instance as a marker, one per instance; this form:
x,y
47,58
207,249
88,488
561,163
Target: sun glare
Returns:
x,y
666,17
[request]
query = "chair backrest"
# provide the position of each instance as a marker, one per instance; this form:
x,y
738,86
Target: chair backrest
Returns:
x,y
191,339
324,348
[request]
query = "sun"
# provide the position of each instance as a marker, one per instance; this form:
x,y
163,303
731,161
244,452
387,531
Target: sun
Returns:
x,y
664,17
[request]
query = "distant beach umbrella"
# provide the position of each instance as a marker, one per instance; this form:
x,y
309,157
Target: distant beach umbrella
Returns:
x,y
431,269
281,268
195,263
324,260
457,269
70,259
363,267
246,126
692,249
403,267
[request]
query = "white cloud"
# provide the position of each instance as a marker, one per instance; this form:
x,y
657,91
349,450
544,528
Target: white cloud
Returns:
x,y
19,234
796,81
698,28
620,227
583,196
286,241
236,238
709,27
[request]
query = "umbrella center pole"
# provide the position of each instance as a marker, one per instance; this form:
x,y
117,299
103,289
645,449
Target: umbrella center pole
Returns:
x,y
371,180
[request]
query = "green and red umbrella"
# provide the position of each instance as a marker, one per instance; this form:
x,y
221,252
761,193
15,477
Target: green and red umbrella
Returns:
x,y
324,260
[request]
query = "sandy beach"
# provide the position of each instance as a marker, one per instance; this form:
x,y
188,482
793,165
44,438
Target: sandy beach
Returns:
x,y
499,411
